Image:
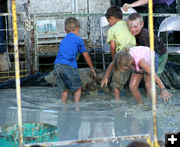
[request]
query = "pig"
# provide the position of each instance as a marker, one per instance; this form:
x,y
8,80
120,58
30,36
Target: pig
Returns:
x,y
90,83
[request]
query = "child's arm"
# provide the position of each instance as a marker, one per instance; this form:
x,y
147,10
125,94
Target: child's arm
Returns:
x,y
164,93
89,62
105,80
113,48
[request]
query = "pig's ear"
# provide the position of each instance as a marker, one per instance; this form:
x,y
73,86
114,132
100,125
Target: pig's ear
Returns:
x,y
91,86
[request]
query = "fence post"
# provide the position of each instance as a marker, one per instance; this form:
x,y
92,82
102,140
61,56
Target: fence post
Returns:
x,y
28,37
18,87
153,91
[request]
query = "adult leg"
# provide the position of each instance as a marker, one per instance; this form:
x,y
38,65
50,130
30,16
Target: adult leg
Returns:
x,y
64,95
134,84
77,95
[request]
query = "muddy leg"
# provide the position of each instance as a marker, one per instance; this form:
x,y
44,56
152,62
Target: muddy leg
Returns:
x,y
116,93
64,95
134,84
77,95
147,80
128,92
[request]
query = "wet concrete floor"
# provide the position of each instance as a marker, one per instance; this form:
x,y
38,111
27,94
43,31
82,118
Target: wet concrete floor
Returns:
x,y
95,116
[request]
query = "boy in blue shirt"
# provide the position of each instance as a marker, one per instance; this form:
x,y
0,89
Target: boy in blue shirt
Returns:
x,y
66,61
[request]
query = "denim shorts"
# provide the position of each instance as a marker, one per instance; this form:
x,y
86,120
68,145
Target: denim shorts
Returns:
x,y
67,77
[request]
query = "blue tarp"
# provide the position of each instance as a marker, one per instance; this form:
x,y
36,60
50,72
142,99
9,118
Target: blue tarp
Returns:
x,y
36,79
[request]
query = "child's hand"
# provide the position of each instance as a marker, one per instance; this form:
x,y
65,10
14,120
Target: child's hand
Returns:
x,y
104,82
165,94
93,72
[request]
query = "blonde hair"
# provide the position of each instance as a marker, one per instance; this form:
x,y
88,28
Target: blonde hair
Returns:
x,y
135,16
122,58
71,24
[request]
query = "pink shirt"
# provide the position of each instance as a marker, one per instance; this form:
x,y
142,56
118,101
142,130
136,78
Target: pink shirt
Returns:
x,y
140,52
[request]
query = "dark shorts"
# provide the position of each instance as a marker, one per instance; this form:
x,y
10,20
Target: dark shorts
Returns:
x,y
67,77
156,62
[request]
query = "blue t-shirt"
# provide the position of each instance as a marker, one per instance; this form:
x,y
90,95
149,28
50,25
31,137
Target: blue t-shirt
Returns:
x,y
69,49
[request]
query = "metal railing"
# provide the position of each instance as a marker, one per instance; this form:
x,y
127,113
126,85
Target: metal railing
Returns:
x,y
94,140
7,71
49,30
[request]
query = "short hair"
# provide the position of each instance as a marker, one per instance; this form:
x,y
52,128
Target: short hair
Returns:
x,y
135,16
138,144
122,58
115,12
71,24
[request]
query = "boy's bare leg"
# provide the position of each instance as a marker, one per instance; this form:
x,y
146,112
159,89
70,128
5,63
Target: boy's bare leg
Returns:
x,y
134,84
64,95
116,93
77,95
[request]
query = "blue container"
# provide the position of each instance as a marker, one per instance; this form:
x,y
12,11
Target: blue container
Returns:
x,y
32,133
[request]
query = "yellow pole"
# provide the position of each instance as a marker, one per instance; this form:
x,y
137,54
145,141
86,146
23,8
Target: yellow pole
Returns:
x,y
151,30
16,56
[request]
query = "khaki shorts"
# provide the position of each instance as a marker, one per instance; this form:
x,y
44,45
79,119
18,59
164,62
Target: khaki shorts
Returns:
x,y
119,79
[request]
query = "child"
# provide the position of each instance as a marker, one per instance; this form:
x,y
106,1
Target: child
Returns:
x,y
66,65
138,59
119,37
136,27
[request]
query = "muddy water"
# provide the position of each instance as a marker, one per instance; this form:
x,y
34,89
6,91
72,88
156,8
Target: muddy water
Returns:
x,y
95,116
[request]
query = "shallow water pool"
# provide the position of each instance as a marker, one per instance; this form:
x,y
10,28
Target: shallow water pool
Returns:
x,y
95,116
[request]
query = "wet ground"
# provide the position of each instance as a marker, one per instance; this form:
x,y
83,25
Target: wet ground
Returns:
x,y
95,116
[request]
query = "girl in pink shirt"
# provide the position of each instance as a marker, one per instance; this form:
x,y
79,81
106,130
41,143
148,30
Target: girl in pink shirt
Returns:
x,y
139,60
